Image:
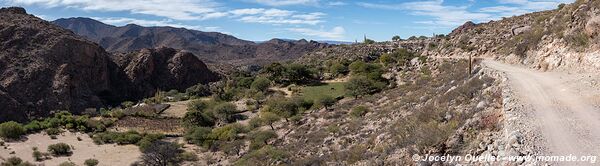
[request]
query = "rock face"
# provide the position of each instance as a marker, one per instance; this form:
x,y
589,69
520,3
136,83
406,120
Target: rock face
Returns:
x,y
163,68
44,67
211,47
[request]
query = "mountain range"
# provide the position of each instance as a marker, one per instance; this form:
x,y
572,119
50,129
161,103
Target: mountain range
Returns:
x,y
211,47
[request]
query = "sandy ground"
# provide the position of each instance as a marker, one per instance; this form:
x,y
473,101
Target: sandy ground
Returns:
x,y
343,79
177,109
109,155
563,106
285,90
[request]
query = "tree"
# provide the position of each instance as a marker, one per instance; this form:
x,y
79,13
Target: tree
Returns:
x,y
275,72
396,38
91,162
11,130
298,73
223,113
199,90
160,153
198,136
358,67
282,107
261,84
361,85
60,149
268,118
337,69
326,101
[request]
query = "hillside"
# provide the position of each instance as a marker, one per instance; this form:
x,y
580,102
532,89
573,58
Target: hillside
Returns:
x,y
565,38
212,47
44,67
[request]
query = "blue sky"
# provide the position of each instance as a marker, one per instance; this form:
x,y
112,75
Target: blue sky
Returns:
x,y
257,20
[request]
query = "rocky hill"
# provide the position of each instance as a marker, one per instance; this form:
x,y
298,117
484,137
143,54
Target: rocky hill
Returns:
x,y
211,47
162,68
564,38
44,67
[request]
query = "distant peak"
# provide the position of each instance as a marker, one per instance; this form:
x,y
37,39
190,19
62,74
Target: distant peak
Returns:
x,y
13,10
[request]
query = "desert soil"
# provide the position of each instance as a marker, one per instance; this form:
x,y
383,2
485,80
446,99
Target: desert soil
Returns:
x,y
109,154
564,109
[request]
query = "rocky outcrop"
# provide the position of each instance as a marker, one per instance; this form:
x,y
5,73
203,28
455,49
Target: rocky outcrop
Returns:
x,y
44,68
162,68
463,28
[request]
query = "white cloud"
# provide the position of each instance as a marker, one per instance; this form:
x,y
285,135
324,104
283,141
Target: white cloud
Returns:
x,y
174,9
276,16
337,3
444,15
151,23
286,2
335,33
450,16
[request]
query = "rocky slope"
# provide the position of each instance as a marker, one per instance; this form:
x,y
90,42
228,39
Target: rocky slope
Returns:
x,y
162,68
209,46
564,38
44,67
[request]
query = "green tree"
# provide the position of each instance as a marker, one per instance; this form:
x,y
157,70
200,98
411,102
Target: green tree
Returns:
x,y
326,101
12,130
337,69
360,86
283,107
199,90
268,118
261,84
396,38
223,113
298,73
275,72
198,135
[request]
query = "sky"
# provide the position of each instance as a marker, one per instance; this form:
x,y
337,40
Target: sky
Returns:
x,y
260,20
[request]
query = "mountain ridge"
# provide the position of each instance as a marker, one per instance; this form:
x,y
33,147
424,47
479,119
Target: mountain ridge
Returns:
x,y
212,47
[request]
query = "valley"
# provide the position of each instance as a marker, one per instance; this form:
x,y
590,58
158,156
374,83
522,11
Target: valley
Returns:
x,y
520,90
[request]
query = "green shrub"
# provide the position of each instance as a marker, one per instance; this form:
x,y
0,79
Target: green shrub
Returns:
x,y
11,130
228,132
67,163
361,86
53,131
33,126
199,90
127,104
199,136
261,84
325,101
15,161
263,156
91,162
188,156
60,149
261,138
359,111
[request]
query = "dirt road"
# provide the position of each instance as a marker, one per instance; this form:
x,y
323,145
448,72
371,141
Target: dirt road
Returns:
x,y
564,109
